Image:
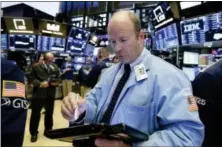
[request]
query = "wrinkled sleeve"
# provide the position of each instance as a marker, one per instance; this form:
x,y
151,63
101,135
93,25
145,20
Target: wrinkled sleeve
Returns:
x,y
178,125
92,99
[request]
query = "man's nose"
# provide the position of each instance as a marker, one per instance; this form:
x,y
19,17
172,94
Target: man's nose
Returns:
x,y
118,47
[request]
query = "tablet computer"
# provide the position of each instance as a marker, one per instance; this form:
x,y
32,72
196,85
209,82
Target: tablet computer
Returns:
x,y
89,131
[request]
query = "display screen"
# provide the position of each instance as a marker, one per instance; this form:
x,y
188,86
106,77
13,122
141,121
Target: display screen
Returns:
x,y
3,41
190,58
161,13
77,40
103,40
47,43
122,5
89,49
167,37
21,41
77,66
202,29
78,59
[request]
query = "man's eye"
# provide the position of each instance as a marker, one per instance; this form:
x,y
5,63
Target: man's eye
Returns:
x,y
113,42
123,40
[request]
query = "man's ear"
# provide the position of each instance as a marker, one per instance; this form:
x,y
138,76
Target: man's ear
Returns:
x,y
141,35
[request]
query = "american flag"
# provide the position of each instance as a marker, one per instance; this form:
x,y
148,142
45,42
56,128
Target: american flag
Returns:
x,y
13,89
192,103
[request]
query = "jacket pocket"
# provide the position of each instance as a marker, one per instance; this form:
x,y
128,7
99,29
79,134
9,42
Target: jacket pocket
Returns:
x,y
139,117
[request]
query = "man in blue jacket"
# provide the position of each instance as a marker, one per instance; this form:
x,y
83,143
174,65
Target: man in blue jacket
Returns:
x,y
207,88
156,99
67,71
13,102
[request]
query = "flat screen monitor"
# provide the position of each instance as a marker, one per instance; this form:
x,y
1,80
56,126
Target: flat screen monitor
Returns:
x,y
3,41
166,37
89,50
190,72
190,58
77,40
4,55
79,59
22,41
202,29
47,43
77,66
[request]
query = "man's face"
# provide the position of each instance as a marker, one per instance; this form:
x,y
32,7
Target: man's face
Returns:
x,y
49,60
124,40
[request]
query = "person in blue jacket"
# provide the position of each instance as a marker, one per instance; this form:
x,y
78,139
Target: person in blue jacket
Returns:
x,y
14,104
103,62
157,98
67,76
207,88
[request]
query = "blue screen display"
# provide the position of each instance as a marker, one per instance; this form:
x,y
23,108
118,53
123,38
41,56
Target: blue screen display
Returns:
x,y
89,49
167,37
47,43
77,40
202,29
3,41
22,41
79,59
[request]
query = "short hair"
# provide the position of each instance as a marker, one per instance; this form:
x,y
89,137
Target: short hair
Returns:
x,y
134,18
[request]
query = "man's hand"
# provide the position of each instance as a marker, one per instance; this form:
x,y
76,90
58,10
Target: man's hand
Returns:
x,y
99,142
44,84
69,105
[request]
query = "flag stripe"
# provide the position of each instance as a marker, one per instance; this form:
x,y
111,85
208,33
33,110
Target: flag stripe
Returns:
x,y
13,89
192,103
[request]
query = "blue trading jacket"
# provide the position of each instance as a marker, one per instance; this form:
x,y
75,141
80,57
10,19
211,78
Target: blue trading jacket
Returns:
x,y
68,75
13,104
160,105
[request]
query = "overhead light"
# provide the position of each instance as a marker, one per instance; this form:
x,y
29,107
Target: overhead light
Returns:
x,y
186,5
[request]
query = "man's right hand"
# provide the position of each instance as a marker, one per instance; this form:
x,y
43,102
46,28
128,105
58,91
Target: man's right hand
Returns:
x,y
44,84
69,105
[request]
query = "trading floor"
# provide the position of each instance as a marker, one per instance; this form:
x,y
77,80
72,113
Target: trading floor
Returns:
x,y
59,122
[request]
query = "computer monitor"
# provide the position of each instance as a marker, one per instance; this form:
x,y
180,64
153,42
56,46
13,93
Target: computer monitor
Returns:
x,y
77,66
166,38
202,29
79,59
3,41
48,43
89,50
77,40
190,58
22,41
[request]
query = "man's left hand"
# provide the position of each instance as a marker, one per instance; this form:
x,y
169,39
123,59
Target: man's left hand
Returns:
x,y
99,142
